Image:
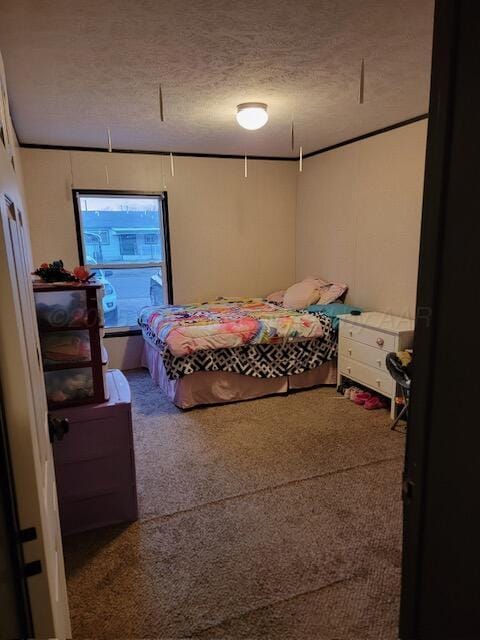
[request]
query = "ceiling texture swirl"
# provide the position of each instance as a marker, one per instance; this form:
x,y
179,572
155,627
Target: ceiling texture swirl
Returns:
x,y
78,67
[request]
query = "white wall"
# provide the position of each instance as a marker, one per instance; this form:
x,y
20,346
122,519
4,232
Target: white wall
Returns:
x,y
229,235
358,218
352,215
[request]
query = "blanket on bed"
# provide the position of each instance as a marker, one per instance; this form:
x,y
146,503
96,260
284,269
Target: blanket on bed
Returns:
x,y
258,361
226,323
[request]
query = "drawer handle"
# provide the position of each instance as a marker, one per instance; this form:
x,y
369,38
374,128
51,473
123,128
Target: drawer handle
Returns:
x,y
349,352
351,333
349,369
380,342
379,382
379,363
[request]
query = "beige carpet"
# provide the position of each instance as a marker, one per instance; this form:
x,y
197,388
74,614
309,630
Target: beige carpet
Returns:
x,y
275,518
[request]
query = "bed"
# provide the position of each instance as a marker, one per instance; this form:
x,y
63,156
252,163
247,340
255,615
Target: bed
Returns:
x,y
235,349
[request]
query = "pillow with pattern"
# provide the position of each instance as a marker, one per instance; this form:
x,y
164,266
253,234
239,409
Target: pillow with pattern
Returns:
x,y
276,297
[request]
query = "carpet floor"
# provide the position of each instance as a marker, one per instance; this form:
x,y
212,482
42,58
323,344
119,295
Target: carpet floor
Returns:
x,y
274,518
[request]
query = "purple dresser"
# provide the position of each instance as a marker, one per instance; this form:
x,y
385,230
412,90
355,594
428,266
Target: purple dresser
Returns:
x,y
95,462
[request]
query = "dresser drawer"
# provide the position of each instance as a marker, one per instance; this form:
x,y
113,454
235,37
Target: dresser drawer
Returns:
x,y
363,353
95,438
374,379
99,511
373,337
80,480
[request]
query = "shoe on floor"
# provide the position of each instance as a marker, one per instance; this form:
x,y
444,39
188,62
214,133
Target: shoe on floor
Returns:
x,y
375,403
362,397
354,391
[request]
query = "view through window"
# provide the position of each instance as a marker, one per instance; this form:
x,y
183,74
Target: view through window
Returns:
x,y
123,242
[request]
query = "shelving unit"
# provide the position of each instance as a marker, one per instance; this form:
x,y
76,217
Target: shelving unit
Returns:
x,y
71,326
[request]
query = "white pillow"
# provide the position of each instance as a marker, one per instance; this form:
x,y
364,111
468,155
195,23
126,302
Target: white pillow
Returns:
x,y
301,295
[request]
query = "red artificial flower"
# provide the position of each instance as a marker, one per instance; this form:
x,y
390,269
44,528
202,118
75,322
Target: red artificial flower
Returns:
x,y
82,273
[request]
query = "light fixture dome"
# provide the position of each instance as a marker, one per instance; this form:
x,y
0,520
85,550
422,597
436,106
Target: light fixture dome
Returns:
x,y
252,115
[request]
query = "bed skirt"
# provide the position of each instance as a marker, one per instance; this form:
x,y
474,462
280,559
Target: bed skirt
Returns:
x,y
214,387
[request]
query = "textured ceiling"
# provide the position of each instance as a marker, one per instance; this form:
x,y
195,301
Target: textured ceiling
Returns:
x,y
76,67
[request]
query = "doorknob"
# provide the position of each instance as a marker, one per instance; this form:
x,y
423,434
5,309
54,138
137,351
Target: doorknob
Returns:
x,y
57,427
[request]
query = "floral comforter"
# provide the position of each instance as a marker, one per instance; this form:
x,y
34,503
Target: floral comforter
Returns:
x,y
225,323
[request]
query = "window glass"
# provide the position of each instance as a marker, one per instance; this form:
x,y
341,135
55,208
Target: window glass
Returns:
x,y
123,243
119,229
127,291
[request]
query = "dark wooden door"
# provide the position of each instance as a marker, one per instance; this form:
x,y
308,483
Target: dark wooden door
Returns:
x,y
441,563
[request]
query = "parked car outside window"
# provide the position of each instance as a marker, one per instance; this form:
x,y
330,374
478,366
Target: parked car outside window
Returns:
x,y
110,308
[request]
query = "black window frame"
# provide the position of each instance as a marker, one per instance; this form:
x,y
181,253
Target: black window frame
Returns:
x,y
163,199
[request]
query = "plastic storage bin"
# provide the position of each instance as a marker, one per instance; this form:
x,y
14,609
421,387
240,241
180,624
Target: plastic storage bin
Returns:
x,y
95,462
60,309
70,323
69,385
66,346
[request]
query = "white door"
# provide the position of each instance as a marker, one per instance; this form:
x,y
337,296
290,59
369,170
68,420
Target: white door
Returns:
x,y
27,426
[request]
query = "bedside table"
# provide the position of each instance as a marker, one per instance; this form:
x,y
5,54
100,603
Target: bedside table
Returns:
x,y
363,344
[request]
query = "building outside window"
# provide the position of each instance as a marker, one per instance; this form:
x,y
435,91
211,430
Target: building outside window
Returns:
x,y
152,238
104,236
128,245
122,239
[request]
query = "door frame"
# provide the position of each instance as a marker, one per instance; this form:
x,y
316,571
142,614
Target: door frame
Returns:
x,y
439,597
436,166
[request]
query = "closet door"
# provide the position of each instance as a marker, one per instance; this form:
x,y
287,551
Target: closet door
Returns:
x,y
47,588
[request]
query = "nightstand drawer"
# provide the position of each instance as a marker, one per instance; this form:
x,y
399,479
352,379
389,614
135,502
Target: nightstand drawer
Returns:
x,y
373,337
370,377
363,353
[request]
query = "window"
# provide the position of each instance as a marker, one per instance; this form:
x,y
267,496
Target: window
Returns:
x,y
128,244
104,236
123,239
152,238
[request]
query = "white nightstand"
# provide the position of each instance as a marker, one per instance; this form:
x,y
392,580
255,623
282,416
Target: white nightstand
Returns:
x,y
364,341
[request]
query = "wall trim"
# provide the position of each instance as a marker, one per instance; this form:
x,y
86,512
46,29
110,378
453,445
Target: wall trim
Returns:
x,y
183,154
178,154
111,333
364,136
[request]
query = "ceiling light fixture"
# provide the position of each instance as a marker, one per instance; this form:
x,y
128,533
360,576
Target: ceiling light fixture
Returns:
x,y
252,115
